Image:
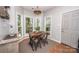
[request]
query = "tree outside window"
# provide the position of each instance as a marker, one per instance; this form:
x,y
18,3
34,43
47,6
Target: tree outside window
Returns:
x,y
48,22
37,27
29,27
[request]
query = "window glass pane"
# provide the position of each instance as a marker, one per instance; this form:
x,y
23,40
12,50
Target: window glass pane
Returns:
x,y
29,25
48,22
19,25
37,25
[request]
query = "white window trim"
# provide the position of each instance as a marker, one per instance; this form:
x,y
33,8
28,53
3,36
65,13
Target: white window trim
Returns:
x,y
50,25
17,13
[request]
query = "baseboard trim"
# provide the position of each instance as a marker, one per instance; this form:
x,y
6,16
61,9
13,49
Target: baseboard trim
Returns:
x,y
21,39
55,40
69,45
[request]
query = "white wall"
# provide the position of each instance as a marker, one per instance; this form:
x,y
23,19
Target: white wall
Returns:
x,y
12,20
56,14
56,24
4,28
5,25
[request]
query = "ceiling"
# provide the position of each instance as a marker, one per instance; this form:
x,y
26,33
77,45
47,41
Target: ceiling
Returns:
x,y
42,8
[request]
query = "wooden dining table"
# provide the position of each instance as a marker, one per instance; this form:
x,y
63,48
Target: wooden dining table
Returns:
x,y
36,34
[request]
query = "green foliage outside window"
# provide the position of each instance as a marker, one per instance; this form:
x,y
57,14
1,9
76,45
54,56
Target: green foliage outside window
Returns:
x,y
28,25
48,24
47,27
38,27
19,24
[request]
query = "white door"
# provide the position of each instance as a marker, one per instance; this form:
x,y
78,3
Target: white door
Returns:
x,y
70,28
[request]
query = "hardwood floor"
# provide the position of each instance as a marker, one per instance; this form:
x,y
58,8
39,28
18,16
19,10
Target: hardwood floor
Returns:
x,y
62,48
24,47
52,47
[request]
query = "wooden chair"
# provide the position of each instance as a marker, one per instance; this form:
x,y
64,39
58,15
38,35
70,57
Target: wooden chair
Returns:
x,y
31,42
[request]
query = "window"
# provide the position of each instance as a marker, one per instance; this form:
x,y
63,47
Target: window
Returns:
x,y
48,24
29,25
37,27
19,25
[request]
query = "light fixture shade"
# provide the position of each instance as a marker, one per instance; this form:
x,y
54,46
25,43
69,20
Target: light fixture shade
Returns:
x,y
37,12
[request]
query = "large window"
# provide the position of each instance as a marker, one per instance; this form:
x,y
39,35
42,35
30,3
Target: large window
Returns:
x,y
37,25
19,25
29,24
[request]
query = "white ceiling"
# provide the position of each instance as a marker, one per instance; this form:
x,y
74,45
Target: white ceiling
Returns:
x,y
42,8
